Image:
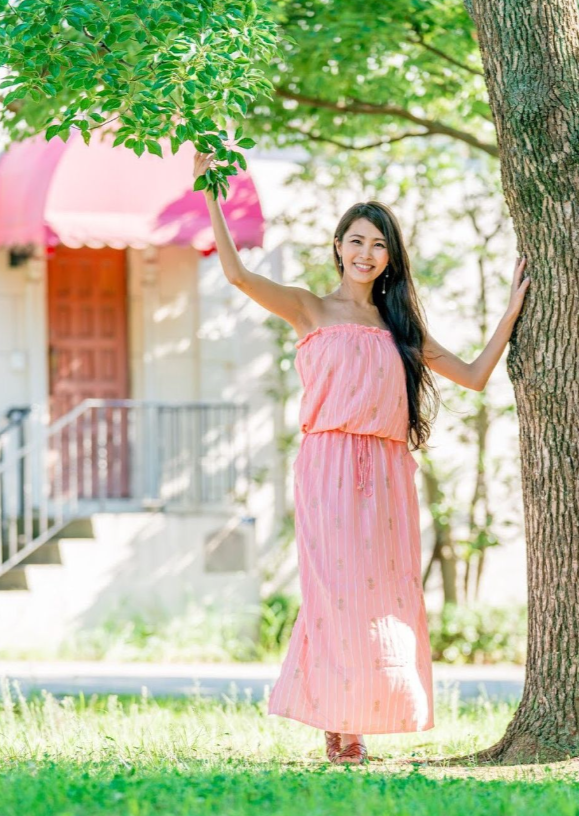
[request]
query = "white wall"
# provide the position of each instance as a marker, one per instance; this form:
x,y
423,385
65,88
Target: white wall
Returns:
x,y
23,358
162,317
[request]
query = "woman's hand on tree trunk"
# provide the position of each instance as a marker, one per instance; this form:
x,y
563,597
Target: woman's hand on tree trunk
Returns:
x,y
518,289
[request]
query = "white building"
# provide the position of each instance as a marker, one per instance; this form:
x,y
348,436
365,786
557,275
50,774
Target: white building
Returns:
x,y
134,379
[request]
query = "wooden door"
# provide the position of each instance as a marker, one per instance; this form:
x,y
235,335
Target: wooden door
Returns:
x,y
87,319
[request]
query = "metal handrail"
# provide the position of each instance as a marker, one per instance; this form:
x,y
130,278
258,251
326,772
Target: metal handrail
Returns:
x,y
16,418
120,454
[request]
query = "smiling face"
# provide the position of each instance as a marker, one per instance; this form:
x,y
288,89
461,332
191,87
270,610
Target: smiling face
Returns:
x,y
363,250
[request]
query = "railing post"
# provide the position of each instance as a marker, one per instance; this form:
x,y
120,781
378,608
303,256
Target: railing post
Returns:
x,y
102,455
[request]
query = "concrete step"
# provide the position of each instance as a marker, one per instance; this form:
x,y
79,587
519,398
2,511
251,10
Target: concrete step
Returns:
x,y
79,528
48,553
16,579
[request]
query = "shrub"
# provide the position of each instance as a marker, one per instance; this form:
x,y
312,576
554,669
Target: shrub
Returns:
x,y
479,634
278,616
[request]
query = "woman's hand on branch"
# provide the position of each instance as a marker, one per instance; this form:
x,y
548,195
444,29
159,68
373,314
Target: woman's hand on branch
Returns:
x,y
518,289
201,164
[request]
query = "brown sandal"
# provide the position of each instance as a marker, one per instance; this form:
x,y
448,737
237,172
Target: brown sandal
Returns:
x,y
356,751
333,744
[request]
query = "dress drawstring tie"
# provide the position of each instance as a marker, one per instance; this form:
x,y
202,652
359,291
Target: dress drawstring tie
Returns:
x,y
364,462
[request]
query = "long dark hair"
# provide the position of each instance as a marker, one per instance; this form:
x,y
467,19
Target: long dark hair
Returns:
x,y
401,311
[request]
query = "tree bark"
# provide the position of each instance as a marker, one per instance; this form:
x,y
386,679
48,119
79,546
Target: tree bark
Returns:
x,y
530,53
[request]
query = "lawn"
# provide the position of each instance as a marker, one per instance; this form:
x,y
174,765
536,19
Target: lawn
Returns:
x,y
140,756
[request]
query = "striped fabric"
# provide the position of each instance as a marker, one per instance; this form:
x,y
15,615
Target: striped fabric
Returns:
x,y
359,656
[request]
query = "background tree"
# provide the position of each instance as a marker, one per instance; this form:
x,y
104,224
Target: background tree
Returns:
x,y
303,70
373,74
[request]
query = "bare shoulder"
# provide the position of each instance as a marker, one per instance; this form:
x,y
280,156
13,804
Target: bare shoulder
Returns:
x,y
312,314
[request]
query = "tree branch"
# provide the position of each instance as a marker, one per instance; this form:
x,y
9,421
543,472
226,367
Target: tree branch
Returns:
x,y
420,41
432,126
314,138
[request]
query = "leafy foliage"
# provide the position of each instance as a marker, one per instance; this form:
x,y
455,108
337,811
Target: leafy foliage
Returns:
x,y
372,74
177,69
479,634
303,71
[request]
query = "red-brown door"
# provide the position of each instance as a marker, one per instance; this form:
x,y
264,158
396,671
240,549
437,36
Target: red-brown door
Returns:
x,y
87,320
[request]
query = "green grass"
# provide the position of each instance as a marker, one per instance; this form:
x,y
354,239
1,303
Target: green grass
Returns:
x,y
141,756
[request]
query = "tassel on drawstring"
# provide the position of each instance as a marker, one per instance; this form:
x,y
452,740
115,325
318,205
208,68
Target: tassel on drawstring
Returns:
x,y
364,462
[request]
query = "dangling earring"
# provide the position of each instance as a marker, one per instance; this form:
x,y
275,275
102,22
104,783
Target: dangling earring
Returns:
x,y
387,273
341,262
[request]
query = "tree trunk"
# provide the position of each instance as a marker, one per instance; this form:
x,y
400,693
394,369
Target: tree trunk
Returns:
x,y
443,550
530,53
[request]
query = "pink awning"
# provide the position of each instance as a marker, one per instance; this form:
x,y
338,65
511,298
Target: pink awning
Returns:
x,y
96,195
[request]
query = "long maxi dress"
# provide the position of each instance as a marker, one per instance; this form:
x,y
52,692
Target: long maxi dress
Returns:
x,y
359,657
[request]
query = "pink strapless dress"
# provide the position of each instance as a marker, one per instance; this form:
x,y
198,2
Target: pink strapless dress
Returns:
x,y
359,656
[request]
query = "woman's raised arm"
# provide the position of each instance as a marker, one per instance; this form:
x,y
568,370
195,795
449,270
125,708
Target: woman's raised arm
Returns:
x,y
292,303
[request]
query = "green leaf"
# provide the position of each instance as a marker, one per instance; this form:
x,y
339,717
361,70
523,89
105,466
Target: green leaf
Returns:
x,y
213,140
139,147
7,83
192,128
125,35
246,143
154,147
200,183
18,93
52,131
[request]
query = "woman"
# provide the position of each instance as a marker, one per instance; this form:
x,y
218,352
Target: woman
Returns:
x,y
359,657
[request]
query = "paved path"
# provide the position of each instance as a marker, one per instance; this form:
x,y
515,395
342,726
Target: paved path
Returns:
x,y
213,679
